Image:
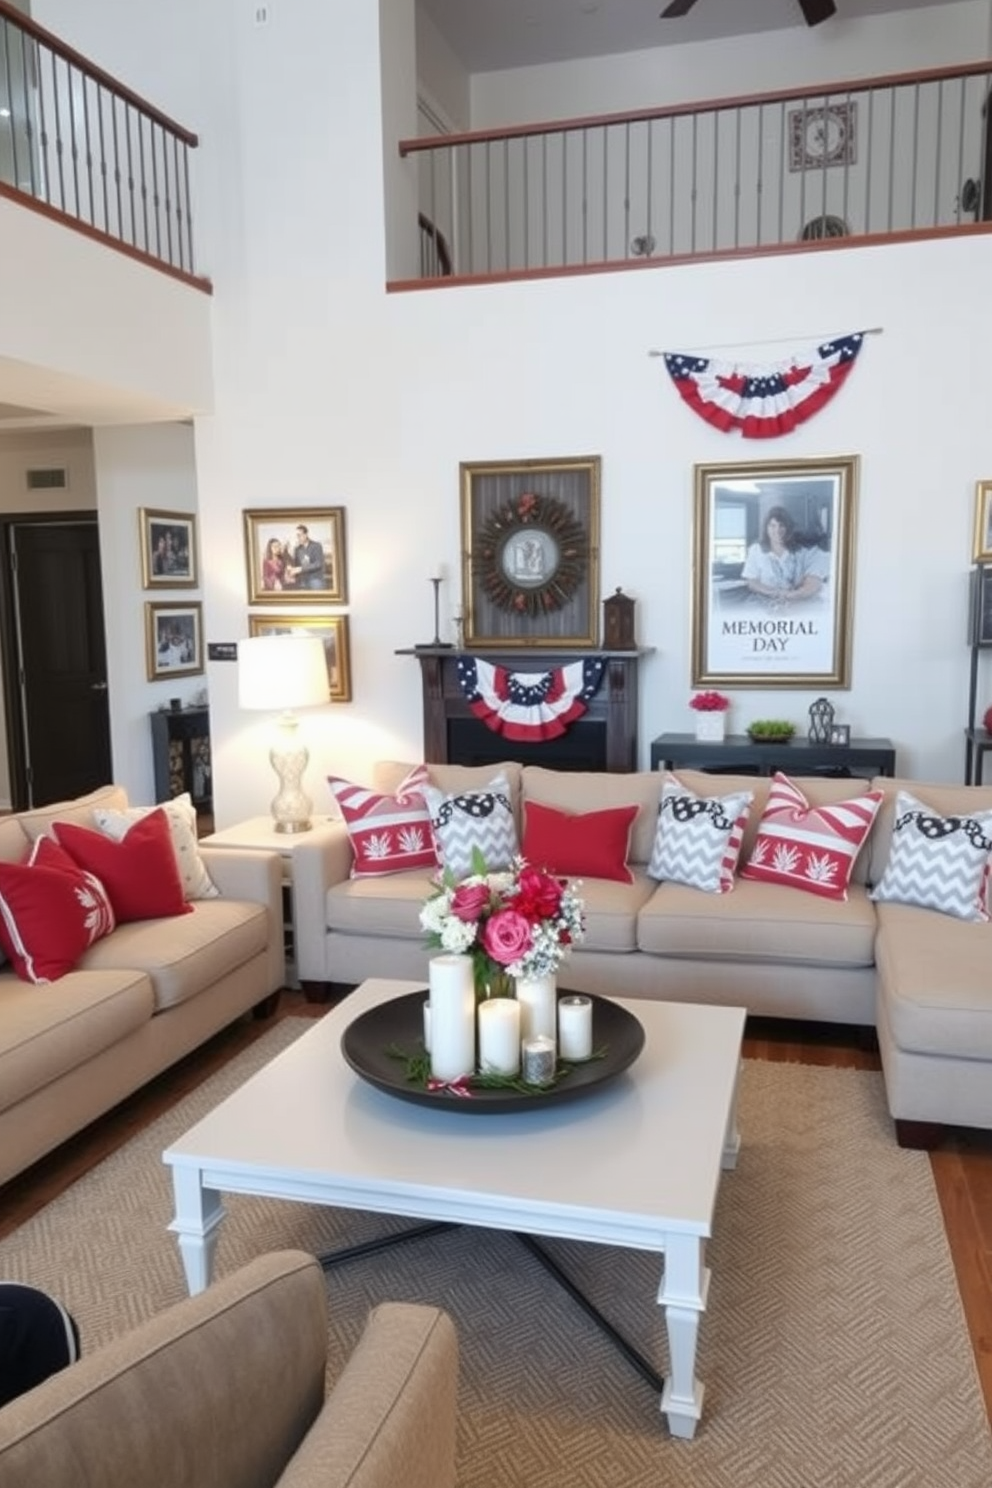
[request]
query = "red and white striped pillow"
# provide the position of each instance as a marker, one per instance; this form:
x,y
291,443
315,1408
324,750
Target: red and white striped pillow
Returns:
x,y
809,847
387,833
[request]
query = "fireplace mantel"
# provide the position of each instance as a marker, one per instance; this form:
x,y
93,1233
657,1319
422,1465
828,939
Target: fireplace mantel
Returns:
x,y
604,738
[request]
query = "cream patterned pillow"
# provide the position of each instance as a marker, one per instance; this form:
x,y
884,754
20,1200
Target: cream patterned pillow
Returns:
x,y
180,813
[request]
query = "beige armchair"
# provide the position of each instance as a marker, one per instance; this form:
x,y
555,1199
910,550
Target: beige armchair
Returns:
x,y
227,1390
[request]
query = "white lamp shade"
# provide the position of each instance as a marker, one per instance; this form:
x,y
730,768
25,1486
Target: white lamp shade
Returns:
x,y
282,671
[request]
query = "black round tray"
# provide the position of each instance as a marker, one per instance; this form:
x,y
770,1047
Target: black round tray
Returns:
x,y
400,1023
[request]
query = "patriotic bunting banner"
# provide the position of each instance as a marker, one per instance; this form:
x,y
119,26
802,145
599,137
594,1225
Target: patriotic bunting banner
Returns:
x,y
531,706
763,402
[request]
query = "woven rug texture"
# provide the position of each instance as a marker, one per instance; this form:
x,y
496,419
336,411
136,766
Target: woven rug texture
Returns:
x,y
834,1351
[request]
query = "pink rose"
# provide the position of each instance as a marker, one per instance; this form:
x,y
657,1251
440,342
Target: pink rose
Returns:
x,y
506,936
469,901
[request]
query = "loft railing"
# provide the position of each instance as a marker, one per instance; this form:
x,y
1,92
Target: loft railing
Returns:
x,y
902,154
435,256
78,145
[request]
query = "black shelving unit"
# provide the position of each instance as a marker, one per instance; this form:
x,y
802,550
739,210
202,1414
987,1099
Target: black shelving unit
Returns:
x,y
181,756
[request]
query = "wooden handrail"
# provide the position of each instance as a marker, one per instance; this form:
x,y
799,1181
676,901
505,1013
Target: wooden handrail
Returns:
x,y
700,106
83,64
439,240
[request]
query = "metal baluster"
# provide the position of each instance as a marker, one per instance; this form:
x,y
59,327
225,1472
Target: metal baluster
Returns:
x,y
73,141
101,105
59,151
585,196
892,151
489,209
526,222
12,112
716,179
606,194
694,179
43,140
671,186
189,209
650,185
89,152
546,198
737,179
564,198
916,153
471,209
936,172
626,190
870,159
27,61
117,168
506,203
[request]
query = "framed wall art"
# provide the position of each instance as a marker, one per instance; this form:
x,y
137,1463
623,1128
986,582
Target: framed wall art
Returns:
x,y
773,557
982,546
530,552
168,549
981,605
296,555
332,630
173,640
823,136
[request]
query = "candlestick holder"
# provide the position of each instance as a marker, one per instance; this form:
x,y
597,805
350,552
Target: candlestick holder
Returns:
x,y
436,580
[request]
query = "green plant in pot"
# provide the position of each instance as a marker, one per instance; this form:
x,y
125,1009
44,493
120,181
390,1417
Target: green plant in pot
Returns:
x,y
771,730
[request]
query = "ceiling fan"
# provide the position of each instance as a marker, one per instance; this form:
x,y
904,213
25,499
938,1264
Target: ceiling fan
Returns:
x,y
814,11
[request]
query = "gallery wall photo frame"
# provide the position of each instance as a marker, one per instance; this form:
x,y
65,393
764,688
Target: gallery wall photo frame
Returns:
x,y
980,607
296,555
530,533
173,639
773,573
167,541
981,551
333,630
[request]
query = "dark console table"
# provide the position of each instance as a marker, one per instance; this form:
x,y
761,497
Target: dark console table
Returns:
x,y
738,754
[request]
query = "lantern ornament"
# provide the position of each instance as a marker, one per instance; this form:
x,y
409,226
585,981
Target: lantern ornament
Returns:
x,y
821,720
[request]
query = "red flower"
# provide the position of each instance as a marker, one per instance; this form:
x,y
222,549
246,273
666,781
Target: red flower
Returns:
x,y
709,702
539,895
506,936
469,901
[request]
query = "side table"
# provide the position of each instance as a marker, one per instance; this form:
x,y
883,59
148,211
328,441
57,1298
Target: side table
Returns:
x,y
259,832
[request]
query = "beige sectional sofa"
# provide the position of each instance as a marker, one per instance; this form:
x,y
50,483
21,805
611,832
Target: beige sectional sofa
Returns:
x,y
921,978
138,1000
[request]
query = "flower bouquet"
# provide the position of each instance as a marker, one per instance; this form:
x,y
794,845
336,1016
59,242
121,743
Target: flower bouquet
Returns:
x,y
516,923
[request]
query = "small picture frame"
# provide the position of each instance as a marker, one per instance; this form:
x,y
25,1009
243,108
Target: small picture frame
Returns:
x,y
981,605
332,630
982,544
296,555
173,640
840,733
168,549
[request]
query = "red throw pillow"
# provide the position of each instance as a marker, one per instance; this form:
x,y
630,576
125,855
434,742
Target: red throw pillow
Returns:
x,y
140,872
809,847
387,833
592,844
51,911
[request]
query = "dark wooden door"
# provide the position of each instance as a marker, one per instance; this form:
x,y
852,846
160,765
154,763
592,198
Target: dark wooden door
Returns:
x,y
56,679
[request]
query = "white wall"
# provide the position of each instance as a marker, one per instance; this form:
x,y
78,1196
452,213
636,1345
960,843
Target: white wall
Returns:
x,y
330,392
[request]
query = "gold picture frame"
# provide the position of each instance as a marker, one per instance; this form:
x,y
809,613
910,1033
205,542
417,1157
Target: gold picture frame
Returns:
x,y
530,552
773,581
332,630
168,549
296,555
173,639
982,542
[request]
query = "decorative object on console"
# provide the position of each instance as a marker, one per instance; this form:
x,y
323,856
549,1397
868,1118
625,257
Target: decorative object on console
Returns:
x,y
698,839
618,622
530,706
469,823
809,847
710,709
530,546
774,607
296,555
937,862
437,579
333,630
771,731
516,923
387,833
760,402
591,844
821,719
284,672
840,734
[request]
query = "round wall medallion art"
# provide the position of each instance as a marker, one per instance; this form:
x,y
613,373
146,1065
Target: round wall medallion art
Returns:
x,y
532,555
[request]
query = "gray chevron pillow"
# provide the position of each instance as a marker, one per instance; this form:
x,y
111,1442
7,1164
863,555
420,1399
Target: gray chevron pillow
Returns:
x,y
937,862
469,819
699,838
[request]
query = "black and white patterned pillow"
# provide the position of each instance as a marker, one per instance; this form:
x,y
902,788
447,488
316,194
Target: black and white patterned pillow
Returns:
x,y
480,819
937,862
699,838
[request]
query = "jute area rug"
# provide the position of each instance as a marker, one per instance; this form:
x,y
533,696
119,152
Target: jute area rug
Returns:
x,y
834,1351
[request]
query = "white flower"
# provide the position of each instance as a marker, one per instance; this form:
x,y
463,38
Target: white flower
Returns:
x,y
457,936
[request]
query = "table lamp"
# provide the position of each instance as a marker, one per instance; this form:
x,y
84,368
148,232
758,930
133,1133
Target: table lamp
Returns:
x,y
285,672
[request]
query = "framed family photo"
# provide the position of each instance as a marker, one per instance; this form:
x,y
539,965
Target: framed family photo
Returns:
x,y
173,640
332,630
530,552
296,555
168,549
981,605
773,583
982,546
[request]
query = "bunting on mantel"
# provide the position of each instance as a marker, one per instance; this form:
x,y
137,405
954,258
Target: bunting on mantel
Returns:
x,y
761,402
532,706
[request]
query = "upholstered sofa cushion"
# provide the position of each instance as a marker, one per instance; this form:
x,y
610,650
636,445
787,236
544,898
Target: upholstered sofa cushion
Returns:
x,y
933,971
611,911
388,906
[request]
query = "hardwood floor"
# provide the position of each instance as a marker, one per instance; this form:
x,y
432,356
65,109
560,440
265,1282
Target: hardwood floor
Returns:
x,y
962,1168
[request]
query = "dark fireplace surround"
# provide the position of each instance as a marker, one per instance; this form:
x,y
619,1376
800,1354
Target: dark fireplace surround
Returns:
x,y
604,738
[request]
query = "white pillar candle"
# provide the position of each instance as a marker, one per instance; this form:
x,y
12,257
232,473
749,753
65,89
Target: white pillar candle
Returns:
x,y
537,996
427,1025
575,1028
499,1036
452,1030
537,1057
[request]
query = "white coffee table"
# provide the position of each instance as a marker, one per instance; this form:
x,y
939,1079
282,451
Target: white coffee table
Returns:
x,y
635,1163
